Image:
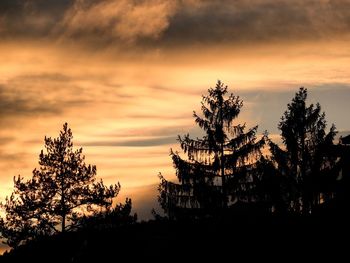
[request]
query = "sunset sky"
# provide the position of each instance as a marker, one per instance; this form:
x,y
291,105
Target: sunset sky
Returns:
x,y
127,74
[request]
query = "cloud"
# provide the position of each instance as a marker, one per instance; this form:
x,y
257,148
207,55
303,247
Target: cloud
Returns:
x,y
13,103
6,139
38,95
6,157
175,22
258,21
149,142
123,20
30,18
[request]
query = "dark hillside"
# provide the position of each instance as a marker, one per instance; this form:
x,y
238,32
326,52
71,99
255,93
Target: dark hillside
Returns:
x,y
262,237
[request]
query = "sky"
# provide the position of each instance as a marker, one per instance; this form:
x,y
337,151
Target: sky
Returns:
x,y
127,74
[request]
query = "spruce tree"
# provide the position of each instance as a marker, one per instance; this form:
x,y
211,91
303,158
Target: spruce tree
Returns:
x,y
219,170
307,170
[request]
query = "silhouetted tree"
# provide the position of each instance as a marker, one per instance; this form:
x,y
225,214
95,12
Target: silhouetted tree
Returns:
x,y
60,192
111,217
304,170
220,166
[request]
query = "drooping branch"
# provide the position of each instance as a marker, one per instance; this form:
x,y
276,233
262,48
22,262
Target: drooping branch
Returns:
x,y
244,153
241,139
190,172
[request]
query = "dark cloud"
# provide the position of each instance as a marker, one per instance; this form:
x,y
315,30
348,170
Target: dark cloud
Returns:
x,y
31,18
42,94
134,143
56,77
158,116
11,104
52,6
10,159
149,131
175,22
258,21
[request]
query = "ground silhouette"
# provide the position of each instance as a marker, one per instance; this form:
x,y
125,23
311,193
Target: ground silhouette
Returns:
x,y
228,239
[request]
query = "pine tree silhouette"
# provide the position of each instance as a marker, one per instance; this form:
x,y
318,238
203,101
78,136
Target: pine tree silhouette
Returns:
x,y
220,167
57,196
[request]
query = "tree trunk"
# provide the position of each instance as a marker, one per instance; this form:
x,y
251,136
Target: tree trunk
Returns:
x,y
63,208
304,179
223,178
63,223
63,211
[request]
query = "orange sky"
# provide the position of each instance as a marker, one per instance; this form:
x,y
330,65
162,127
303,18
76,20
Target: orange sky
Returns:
x,y
126,76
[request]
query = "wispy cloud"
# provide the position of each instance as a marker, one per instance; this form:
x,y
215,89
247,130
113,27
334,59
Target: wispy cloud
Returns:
x,y
121,19
30,18
34,95
134,143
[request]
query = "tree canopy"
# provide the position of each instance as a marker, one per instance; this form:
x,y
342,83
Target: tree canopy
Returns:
x,y
307,170
61,191
219,170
